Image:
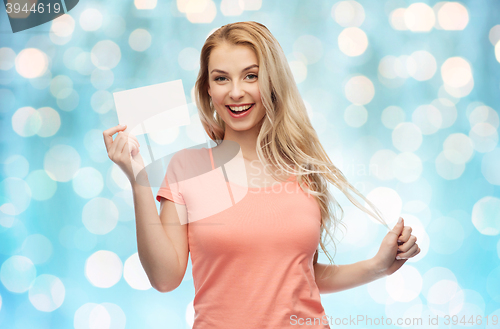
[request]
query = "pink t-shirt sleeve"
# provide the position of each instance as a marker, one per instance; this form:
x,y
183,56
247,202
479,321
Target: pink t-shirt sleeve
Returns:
x,y
169,188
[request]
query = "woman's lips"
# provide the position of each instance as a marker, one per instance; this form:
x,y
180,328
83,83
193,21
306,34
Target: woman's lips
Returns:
x,y
240,115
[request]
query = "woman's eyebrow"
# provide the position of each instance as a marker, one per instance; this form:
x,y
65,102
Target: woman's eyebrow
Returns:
x,y
245,69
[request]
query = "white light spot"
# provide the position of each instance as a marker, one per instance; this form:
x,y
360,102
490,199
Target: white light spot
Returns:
x,y
37,248
407,167
456,72
392,116
61,86
299,71
453,16
310,46
47,293
423,65
387,66
17,274
458,148
355,115
90,19
482,114
139,40
102,101
397,19
83,63
145,4
231,7
353,41
383,161
51,122
419,17
448,111
63,26
103,269
7,58
105,54
348,13
16,166
427,118
134,273
405,284
359,90
486,215
447,169
189,59
88,182
494,34
252,4
41,185
102,78
18,196
388,202
61,162
484,137
31,63
407,137
100,216
489,166
199,11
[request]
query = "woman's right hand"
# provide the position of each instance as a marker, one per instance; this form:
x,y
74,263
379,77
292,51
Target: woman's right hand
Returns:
x,y
124,151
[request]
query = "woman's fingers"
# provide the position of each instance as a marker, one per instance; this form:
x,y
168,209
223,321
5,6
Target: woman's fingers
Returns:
x,y
122,141
108,136
410,253
405,235
408,244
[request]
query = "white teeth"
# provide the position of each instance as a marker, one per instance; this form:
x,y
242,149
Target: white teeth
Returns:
x,y
240,108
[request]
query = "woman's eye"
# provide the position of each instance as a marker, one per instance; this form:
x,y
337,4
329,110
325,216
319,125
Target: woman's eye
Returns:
x,y
250,75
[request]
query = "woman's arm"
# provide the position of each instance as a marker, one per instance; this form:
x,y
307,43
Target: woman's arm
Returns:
x,y
333,278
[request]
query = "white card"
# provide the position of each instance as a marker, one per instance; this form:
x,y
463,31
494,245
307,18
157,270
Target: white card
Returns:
x,y
152,108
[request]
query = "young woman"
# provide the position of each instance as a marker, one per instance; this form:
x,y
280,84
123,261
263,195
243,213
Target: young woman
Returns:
x,y
254,263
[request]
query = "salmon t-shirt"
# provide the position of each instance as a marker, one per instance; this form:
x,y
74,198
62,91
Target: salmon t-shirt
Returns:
x,y
252,260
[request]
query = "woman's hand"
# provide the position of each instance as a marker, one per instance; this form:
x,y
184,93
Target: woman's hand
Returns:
x,y
124,151
385,260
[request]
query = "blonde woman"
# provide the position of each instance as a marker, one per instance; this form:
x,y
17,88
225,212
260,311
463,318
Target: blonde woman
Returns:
x,y
256,266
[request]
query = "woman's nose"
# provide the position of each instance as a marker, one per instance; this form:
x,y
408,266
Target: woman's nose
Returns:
x,y
236,91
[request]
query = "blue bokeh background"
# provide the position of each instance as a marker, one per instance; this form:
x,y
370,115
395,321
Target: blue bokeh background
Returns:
x,y
403,94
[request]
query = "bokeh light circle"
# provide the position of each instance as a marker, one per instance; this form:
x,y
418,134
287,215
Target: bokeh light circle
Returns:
x,y
407,137
134,273
31,63
88,182
359,90
486,215
100,215
139,40
355,115
353,41
105,54
103,269
47,293
61,162
17,273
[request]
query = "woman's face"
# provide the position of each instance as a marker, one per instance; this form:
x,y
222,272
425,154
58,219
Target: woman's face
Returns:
x,y
233,72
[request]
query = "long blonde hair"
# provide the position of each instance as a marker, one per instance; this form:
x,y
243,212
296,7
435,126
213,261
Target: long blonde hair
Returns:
x,y
286,135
